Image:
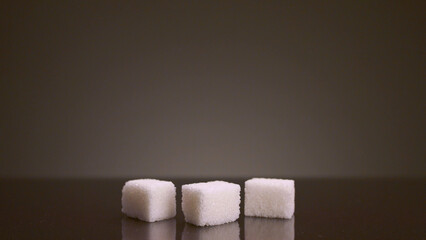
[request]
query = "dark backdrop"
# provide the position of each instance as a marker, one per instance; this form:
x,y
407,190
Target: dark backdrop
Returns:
x,y
212,88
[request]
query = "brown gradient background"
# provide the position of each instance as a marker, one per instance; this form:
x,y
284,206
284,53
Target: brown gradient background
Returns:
x,y
212,88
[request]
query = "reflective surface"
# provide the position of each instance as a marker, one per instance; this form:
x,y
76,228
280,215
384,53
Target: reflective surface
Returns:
x,y
325,209
229,231
266,228
133,229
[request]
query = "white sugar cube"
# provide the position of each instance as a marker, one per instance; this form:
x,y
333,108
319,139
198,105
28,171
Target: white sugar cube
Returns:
x,y
132,229
149,199
211,203
267,197
268,228
229,231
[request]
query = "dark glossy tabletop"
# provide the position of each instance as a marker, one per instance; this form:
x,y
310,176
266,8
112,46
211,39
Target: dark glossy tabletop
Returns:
x,y
325,209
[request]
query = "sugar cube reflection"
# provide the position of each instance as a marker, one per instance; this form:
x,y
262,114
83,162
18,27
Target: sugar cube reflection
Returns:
x,y
268,228
229,231
132,229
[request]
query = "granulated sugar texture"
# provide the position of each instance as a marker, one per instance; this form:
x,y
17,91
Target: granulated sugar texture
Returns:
x,y
149,199
211,203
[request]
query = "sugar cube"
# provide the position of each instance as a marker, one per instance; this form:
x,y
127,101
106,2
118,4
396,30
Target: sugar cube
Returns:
x,y
211,203
149,200
267,197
